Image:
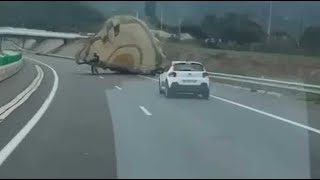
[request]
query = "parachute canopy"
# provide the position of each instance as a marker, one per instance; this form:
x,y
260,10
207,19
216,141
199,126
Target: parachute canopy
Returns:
x,y
124,43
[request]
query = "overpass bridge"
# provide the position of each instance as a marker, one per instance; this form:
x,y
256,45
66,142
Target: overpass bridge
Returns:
x,y
23,34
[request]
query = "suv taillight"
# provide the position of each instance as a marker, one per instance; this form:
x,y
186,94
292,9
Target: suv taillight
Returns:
x,y
205,74
172,74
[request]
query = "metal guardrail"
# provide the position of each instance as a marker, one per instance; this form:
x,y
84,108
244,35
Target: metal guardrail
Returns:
x,y
311,88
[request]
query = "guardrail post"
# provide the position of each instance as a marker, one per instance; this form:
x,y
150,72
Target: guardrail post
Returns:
x,y
312,97
317,101
252,89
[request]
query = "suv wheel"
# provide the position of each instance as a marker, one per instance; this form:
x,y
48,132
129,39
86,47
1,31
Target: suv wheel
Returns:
x,y
168,91
160,89
206,95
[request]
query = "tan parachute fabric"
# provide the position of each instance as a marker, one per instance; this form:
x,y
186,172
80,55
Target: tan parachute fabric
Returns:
x,y
124,43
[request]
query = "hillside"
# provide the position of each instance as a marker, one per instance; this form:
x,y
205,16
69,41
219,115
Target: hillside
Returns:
x,y
286,16
270,65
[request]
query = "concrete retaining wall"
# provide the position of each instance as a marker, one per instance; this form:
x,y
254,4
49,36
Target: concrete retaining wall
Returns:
x,y
8,70
48,45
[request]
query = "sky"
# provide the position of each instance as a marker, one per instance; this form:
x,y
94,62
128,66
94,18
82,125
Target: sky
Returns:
x,y
286,15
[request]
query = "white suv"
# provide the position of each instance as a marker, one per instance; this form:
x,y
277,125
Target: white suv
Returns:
x,y
184,77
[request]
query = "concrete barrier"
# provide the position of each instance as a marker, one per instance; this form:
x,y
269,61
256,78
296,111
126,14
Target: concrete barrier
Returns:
x,y
9,70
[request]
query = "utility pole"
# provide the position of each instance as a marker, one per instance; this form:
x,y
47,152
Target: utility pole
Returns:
x,y
300,30
270,17
137,14
161,18
179,26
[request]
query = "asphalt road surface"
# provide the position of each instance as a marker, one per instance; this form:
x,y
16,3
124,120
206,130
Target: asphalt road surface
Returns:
x,y
119,126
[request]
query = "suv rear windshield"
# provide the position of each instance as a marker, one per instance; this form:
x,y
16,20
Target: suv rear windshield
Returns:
x,y
187,67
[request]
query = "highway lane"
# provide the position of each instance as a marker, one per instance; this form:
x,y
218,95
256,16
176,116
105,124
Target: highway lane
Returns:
x,y
192,138
284,106
20,81
95,128
10,88
74,138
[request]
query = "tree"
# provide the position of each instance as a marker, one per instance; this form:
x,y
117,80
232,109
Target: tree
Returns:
x,y
281,41
311,38
209,25
233,27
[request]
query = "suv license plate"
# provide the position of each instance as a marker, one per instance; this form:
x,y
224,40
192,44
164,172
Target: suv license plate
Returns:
x,y
189,81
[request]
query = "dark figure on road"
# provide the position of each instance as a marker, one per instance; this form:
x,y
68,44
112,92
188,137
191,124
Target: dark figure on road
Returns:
x,y
94,63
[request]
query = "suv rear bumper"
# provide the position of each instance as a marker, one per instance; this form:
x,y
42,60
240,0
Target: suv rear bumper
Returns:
x,y
177,88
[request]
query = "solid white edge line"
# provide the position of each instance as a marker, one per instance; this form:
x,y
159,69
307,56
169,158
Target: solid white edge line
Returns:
x,y
145,111
261,112
14,142
269,115
8,111
118,87
22,94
